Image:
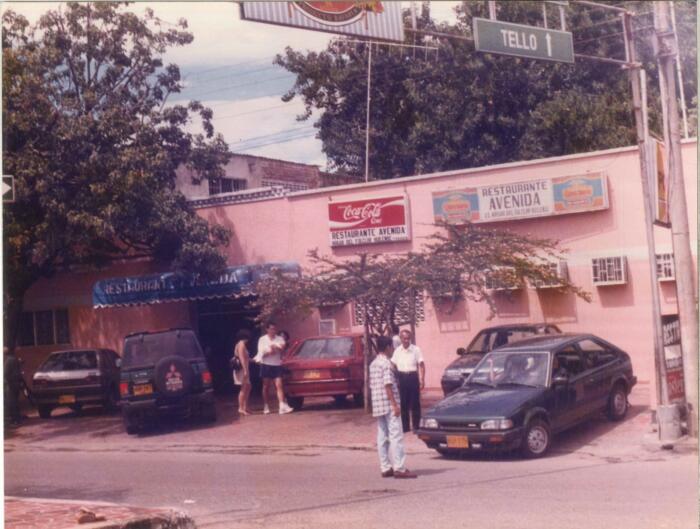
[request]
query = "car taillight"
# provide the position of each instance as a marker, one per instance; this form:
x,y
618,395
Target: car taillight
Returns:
x,y
206,378
123,389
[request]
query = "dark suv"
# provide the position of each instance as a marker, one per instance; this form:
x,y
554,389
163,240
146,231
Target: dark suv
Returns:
x,y
486,341
164,372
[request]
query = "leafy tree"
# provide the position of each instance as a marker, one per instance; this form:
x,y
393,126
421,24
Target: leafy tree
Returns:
x,y
460,108
457,262
93,147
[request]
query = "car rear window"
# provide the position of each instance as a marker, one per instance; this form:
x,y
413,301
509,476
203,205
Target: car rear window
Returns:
x,y
147,349
325,348
70,361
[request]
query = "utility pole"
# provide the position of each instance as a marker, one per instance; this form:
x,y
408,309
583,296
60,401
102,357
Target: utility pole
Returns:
x,y
666,49
639,102
369,101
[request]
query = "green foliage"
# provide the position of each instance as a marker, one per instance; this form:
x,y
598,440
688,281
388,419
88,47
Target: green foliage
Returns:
x,y
457,262
93,146
459,108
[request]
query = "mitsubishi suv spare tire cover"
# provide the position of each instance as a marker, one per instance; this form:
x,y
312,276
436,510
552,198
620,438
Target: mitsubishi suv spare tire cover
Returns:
x,y
173,376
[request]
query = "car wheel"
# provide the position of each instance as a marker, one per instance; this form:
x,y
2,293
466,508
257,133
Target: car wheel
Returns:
x,y
358,399
44,411
617,403
537,439
339,399
295,402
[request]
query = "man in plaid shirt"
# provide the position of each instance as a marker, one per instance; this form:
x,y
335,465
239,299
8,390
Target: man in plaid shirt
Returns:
x,y
385,407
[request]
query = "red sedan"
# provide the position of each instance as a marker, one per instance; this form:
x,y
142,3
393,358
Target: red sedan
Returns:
x,y
324,366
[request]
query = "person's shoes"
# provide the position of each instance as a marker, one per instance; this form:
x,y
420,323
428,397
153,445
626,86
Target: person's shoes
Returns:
x,y
404,474
266,410
388,473
284,408
243,412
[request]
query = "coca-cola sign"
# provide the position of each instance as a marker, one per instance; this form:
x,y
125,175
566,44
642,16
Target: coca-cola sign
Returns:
x,y
369,221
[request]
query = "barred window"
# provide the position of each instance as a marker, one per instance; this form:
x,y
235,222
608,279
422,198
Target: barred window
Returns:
x,y
609,270
664,267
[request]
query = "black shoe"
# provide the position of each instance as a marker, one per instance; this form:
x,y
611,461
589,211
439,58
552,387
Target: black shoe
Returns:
x,y
404,474
388,473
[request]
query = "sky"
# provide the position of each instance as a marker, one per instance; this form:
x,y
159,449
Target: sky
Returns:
x,y
229,67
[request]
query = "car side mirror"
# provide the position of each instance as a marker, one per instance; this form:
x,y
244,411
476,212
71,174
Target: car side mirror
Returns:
x,y
461,351
560,380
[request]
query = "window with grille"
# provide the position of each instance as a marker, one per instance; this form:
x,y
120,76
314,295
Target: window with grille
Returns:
x,y
402,314
664,267
44,327
217,186
559,270
609,270
502,278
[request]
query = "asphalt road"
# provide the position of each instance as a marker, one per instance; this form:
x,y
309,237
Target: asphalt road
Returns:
x,y
599,475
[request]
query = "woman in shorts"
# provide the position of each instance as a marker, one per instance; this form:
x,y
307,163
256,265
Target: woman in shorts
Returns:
x,y
241,377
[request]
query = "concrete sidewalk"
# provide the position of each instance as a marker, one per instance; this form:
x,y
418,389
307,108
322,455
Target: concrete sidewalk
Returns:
x,y
35,513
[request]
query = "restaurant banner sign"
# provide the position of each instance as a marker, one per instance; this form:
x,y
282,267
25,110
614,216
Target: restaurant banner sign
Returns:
x,y
182,286
370,19
522,200
369,221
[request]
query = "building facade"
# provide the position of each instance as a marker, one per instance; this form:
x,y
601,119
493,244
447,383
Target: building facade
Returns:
x,y
591,203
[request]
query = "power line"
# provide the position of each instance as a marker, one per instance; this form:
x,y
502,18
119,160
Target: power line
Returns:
x,y
304,136
223,89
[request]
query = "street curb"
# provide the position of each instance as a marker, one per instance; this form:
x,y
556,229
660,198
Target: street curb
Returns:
x,y
165,518
683,445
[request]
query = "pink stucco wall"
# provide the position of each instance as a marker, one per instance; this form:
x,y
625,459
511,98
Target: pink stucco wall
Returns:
x,y
285,229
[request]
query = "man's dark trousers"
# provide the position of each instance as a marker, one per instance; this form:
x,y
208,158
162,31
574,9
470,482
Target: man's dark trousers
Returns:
x,y
409,392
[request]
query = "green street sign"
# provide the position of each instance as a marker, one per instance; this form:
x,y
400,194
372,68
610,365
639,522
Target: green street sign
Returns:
x,y
494,36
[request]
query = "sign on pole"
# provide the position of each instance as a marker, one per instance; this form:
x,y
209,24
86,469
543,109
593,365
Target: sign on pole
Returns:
x,y
371,19
657,167
494,36
8,188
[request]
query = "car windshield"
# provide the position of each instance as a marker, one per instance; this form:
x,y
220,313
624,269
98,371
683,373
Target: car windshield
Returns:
x,y
325,348
147,349
486,341
512,368
70,361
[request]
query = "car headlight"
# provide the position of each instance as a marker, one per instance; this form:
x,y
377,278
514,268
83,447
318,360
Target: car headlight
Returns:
x,y
428,423
453,373
497,424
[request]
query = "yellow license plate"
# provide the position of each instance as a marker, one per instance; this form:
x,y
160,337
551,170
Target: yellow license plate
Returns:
x,y
143,389
457,441
66,399
312,374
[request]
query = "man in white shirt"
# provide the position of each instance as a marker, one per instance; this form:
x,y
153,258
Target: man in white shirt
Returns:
x,y
270,347
408,360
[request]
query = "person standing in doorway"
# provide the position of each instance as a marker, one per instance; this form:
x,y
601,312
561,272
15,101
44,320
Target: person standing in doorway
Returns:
x,y
385,408
241,377
270,347
408,359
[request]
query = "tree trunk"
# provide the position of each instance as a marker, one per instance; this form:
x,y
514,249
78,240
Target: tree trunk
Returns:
x,y
12,312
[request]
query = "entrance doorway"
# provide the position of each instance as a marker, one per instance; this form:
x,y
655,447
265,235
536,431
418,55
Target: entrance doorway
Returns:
x,y
219,322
